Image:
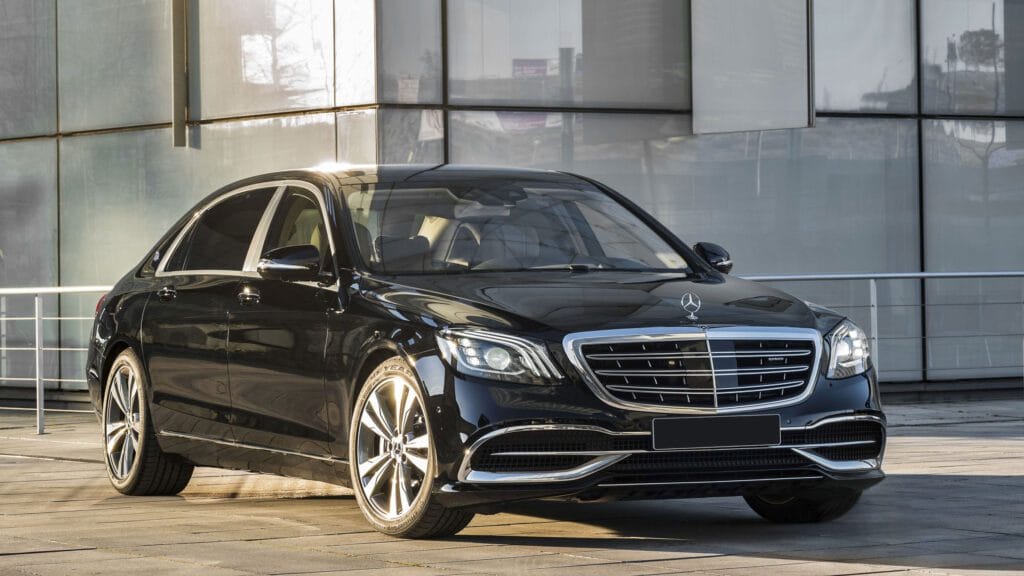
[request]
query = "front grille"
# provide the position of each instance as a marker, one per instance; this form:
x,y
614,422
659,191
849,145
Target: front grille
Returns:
x,y
702,371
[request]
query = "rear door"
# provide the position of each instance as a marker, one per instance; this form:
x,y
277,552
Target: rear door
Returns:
x,y
278,337
185,325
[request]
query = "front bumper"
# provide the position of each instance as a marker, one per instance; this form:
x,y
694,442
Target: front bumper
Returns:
x,y
502,442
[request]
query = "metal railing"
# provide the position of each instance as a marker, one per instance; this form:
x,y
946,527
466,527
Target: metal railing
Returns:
x,y
38,319
39,347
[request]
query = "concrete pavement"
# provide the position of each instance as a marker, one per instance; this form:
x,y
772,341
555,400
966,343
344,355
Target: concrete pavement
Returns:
x,y
953,504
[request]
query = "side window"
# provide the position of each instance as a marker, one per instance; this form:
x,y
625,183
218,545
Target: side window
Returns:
x,y
220,239
298,222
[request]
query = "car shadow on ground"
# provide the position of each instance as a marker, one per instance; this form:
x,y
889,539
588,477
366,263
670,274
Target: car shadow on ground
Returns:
x,y
910,520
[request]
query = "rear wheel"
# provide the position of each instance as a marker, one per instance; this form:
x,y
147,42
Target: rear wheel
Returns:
x,y
819,506
135,463
393,462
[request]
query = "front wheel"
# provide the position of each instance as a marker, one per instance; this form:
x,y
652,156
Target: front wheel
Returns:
x,y
818,506
393,464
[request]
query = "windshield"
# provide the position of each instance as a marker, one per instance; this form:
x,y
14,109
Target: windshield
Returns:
x,y
501,225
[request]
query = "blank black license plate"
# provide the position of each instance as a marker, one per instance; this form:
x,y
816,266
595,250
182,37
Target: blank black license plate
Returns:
x,y
716,432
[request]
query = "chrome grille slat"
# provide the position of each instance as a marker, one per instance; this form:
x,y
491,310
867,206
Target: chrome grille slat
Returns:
x,y
748,371
702,369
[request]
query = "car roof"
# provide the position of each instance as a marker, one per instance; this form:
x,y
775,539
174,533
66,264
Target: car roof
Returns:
x,y
355,175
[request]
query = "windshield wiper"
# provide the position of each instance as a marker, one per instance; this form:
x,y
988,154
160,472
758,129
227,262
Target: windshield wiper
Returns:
x,y
569,267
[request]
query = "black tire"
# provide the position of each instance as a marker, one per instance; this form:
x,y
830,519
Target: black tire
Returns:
x,y
425,517
819,506
152,472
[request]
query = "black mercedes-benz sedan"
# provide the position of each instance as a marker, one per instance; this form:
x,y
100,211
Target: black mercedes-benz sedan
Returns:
x,y
449,339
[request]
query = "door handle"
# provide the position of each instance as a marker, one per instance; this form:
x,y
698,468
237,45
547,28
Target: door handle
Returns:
x,y
167,293
249,296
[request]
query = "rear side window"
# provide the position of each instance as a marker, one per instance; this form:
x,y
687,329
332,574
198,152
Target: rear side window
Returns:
x,y
220,239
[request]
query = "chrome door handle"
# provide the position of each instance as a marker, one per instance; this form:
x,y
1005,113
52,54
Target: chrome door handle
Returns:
x,y
249,296
167,293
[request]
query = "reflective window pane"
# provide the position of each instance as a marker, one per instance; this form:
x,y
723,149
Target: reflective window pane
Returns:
x,y
391,136
220,239
570,52
253,56
864,56
356,49
847,187
974,196
750,65
973,56
410,51
27,71
28,213
115,63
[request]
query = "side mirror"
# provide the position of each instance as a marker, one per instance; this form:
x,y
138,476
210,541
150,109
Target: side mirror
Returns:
x,y
715,255
291,263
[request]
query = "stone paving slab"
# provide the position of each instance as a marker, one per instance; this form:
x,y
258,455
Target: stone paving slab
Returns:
x,y
953,504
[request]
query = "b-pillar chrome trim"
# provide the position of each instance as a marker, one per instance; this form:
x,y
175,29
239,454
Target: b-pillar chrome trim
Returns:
x,y
572,344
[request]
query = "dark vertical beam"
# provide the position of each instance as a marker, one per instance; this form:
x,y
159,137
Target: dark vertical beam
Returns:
x,y
179,72
922,245
444,82
811,108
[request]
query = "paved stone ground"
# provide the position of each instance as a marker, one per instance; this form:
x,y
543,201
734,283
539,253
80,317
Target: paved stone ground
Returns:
x,y
953,504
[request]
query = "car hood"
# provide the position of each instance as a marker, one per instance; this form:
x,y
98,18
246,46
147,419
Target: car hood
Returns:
x,y
565,302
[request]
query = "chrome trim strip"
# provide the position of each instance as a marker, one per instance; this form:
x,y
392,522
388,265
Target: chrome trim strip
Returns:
x,y
840,418
698,482
252,257
717,449
736,390
727,372
572,344
677,355
839,465
467,474
236,444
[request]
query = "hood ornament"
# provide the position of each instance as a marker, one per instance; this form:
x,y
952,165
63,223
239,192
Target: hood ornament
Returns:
x,y
691,304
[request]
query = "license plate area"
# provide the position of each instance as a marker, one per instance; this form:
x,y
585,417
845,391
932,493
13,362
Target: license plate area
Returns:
x,y
702,432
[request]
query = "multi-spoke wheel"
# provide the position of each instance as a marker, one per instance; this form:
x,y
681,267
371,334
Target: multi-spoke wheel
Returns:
x,y
135,463
122,421
393,464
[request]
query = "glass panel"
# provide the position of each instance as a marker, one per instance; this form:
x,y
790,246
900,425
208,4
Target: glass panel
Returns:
x,y
298,222
410,136
847,187
356,49
221,238
115,63
864,56
27,70
28,213
974,196
410,51
973,56
391,136
488,225
122,191
570,52
758,83
250,56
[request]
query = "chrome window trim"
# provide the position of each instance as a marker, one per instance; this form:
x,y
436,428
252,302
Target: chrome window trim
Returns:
x,y
160,273
317,194
572,344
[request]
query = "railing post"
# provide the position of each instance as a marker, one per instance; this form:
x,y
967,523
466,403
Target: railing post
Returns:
x,y
873,290
40,408
3,336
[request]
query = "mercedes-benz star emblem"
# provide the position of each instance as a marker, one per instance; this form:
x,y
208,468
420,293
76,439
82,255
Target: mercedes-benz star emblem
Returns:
x,y
691,303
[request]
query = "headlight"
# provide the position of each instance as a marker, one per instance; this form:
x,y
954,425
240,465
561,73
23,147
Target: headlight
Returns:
x,y
850,355
497,356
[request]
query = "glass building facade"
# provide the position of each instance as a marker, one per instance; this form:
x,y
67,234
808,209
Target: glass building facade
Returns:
x,y
915,160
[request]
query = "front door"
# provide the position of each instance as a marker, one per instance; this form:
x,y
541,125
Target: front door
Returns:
x,y
278,338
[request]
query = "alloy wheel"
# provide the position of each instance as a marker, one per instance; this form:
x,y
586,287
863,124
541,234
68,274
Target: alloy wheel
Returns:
x,y
392,448
122,421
